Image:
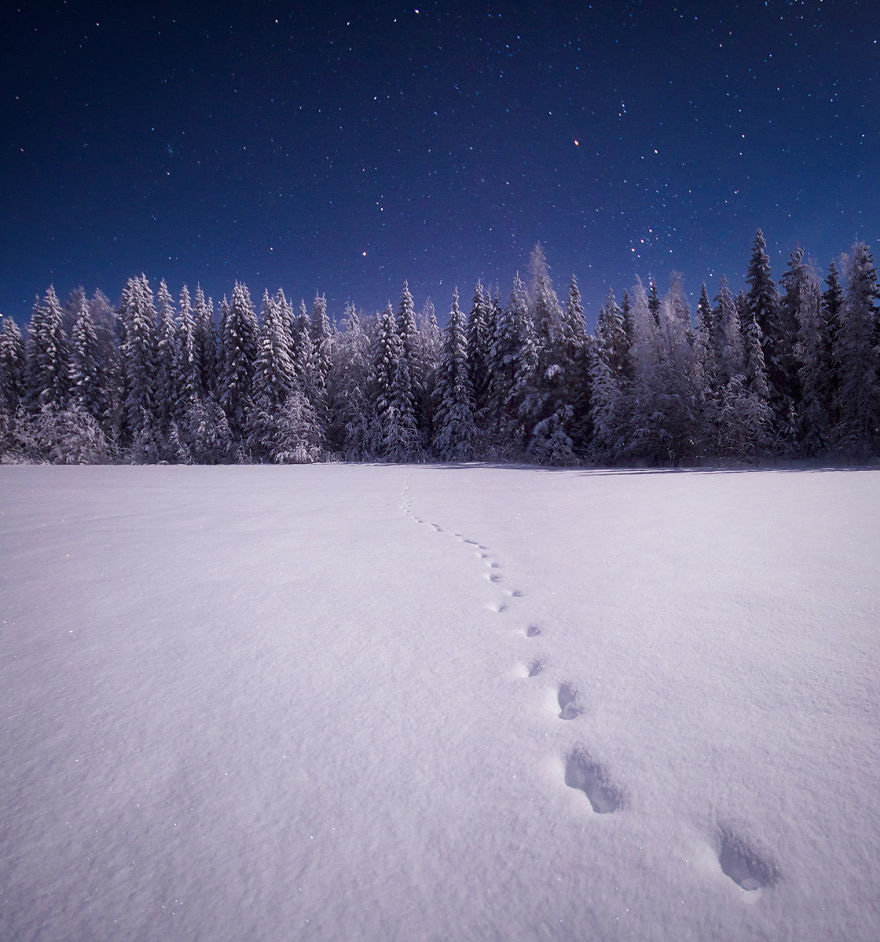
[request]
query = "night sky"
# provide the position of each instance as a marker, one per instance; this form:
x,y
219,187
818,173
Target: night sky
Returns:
x,y
347,148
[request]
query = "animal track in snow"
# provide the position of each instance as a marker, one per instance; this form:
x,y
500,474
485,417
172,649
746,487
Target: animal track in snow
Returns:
x,y
535,668
498,607
493,577
743,864
585,774
532,631
514,593
567,697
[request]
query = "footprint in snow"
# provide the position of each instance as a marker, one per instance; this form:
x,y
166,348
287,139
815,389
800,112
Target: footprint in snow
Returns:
x,y
535,668
743,864
585,774
493,577
567,697
497,607
532,631
515,593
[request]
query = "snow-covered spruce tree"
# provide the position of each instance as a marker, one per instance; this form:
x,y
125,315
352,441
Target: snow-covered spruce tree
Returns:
x,y
576,346
801,300
610,373
348,385
88,383
858,428
239,342
274,377
109,330
628,326
654,301
12,365
297,435
747,419
830,319
411,374
611,336
663,395
644,437
730,350
48,355
12,387
550,403
139,356
706,376
274,380
396,436
322,340
429,350
203,433
455,431
206,342
777,334
166,354
187,368
305,359
512,362
479,338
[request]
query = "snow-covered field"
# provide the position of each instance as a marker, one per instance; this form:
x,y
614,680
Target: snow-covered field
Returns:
x,y
439,703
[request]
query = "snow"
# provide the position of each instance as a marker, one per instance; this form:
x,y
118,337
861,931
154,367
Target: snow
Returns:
x,y
341,702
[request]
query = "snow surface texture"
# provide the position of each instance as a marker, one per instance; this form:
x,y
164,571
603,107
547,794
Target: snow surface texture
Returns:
x,y
438,703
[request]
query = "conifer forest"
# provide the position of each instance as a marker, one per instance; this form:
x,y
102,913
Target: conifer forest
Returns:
x,y
786,368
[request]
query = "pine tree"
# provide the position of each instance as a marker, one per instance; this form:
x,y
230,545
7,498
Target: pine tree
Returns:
x,y
456,432
678,377
275,377
777,334
730,350
801,301
612,337
513,361
139,354
858,429
410,375
87,380
348,386
644,434
654,301
479,339
12,365
48,355
558,404
240,341
706,374
429,351
187,368
166,354
606,403
322,341
830,317
206,342
576,347
396,437
305,360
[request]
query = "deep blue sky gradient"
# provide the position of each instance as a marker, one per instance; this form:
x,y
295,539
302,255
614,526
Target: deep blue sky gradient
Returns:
x,y
350,147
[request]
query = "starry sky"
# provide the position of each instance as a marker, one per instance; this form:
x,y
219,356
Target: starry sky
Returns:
x,y
342,148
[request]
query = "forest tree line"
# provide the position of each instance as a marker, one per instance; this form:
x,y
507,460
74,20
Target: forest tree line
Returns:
x,y
788,369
